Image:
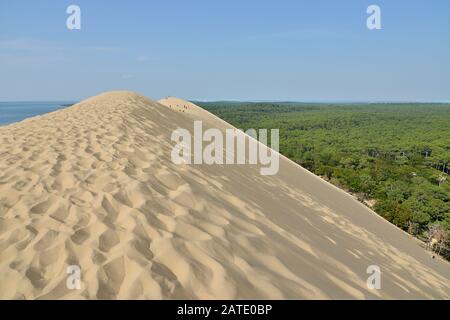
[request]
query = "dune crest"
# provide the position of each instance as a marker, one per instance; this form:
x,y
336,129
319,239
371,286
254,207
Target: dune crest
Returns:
x,y
93,185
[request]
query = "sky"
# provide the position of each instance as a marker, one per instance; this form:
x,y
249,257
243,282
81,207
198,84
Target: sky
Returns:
x,y
226,50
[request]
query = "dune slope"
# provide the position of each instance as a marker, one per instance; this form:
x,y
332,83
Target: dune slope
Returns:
x,y
93,185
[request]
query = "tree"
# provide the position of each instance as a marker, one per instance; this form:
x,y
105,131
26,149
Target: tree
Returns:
x,y
441,179
437,238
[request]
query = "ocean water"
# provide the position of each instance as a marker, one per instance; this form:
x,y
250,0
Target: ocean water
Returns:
x,y
11,112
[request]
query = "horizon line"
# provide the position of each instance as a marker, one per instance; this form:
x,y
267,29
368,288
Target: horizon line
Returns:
x,y
258,101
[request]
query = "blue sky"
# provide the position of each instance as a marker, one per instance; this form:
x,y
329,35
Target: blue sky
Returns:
x,y
234,50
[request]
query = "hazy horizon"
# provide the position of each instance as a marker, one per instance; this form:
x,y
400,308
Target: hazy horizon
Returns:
x,y
250,101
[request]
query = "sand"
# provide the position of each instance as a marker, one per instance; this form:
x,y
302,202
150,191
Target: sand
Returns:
x,y
93,185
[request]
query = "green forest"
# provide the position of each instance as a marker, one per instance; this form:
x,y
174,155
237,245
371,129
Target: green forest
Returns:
x,y
393,157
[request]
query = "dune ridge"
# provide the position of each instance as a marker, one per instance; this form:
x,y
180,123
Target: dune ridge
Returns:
x,y
93,185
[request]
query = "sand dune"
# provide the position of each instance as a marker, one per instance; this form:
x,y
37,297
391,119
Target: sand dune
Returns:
x,y
93,185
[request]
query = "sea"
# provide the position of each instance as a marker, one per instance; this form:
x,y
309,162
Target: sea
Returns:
x,y
11,112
